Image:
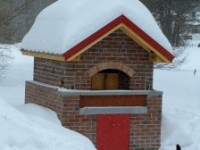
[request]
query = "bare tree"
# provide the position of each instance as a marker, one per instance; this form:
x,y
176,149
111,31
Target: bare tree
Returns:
x,y
180,58
172,16
10,12
5,58
6,18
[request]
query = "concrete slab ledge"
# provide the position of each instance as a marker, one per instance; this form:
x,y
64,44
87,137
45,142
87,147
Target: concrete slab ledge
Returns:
x,y
74,92
113,110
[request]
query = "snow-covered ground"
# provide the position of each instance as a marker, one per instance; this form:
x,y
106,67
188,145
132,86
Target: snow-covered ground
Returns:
x,y
20,69
31,127
181,102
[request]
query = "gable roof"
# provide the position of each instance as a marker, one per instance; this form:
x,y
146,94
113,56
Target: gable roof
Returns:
x,y
68,27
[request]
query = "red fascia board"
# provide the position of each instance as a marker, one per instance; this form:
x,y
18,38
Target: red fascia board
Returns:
x,y
147,38
93,37
110,26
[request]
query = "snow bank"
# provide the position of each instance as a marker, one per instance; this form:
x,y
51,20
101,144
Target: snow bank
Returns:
x,y
66,23
21,131
181,103
13,82
181,128
39,112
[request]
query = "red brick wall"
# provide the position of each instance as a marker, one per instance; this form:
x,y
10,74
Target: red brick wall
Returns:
x,y
116,48
144,129
67,108
117,51
45,96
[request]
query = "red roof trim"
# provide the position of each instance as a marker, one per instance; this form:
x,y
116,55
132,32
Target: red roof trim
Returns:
x,y
147,38
110,26
93,37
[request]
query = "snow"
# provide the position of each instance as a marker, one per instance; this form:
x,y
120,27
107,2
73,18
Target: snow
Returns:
x,y
34,127
66,23
20,131
30,126
181,102
198,15
34,110
13,81
196,37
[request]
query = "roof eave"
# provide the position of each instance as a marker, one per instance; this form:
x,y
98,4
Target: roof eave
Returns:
x,y
131,29
43,55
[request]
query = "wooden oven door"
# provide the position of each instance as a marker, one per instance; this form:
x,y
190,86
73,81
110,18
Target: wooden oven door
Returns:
x,y
105,81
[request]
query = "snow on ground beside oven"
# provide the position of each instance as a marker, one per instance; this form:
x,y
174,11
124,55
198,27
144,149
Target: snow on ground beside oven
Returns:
x,y
66,23
33,127
20,69
30,126
181,102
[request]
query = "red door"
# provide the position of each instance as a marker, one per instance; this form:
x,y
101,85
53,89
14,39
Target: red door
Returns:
x,y
113,132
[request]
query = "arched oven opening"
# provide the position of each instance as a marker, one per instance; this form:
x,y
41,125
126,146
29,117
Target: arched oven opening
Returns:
x,y
110,79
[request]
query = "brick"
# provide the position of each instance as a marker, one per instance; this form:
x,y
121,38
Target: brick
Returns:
x,y
117,51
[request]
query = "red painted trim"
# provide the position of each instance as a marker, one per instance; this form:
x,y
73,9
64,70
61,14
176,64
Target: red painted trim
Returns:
x,y
110,26
147,38
93,37
113,132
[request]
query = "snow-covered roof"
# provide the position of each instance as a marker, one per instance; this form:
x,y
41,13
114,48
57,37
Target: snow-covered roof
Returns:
x,y
66,23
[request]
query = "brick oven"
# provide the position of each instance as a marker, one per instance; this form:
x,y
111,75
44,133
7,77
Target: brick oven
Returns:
x,y
102,86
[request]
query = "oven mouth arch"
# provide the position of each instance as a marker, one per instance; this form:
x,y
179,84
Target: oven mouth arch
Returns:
x,y
110,79
111,65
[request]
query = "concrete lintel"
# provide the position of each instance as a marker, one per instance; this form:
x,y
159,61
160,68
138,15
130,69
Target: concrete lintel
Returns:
x,y
66,92
113,110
